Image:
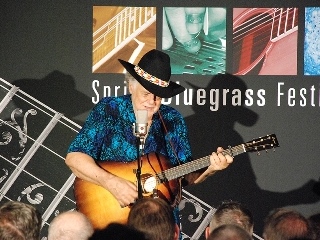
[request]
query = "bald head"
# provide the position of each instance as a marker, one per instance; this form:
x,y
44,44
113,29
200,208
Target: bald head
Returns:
x,y
70,225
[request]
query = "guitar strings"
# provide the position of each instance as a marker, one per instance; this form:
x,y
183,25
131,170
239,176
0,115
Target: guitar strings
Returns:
x,y
210,57
259,26
266,142
244,25
256,20
255,29
197,164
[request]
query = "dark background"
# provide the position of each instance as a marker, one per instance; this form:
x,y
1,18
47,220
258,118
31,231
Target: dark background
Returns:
x,y
46,49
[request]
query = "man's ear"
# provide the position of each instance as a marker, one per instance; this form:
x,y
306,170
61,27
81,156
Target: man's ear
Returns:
x,y
207,232
176,232
251,231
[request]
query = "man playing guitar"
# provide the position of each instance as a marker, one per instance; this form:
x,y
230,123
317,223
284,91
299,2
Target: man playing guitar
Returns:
x,y
107,136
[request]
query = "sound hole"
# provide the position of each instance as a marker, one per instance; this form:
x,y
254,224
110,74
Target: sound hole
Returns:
x,y
149,183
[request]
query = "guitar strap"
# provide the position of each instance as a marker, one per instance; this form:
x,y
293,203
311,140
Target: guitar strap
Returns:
x,y
178,197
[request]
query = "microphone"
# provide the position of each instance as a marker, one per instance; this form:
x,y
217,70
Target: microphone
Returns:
x,y
140,127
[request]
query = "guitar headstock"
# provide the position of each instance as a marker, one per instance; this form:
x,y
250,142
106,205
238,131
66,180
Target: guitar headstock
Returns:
x,y
262,143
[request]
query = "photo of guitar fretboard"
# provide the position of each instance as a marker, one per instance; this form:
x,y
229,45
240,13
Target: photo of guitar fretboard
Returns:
x,y
116,27
210,60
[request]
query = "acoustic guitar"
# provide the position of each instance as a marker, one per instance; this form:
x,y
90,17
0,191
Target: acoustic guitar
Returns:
x,y
158,179
265,41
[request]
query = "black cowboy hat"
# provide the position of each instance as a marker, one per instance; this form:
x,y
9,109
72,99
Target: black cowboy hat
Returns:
x,y
153,72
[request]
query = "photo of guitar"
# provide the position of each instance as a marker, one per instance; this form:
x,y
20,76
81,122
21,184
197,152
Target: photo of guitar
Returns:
x,y
158,179
121,32
210,59
265,41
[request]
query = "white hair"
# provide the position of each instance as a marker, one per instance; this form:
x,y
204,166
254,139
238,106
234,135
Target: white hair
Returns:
x,y
70,225
130,80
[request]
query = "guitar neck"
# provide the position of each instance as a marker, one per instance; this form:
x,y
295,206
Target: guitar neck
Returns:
x,y
195,165
285,21
129,21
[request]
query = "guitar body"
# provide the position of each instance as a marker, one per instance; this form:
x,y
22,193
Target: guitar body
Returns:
x,y
281,59
265,41
100,206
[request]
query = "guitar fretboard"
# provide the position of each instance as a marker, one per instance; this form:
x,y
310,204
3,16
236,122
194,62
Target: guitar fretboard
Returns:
x,y
195,165
262,143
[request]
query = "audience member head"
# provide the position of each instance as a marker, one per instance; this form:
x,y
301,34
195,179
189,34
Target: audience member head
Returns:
x,y
154,217
231,212
19,221
286,224
117,231
71,225
229,232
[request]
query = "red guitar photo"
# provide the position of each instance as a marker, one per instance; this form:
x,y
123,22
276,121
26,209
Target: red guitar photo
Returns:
x,y
265,41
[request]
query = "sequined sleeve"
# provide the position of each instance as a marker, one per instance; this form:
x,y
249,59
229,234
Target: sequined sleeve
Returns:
x,y
90,138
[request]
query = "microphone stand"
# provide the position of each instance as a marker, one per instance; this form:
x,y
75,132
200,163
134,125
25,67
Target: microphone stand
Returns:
x,y
139,131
